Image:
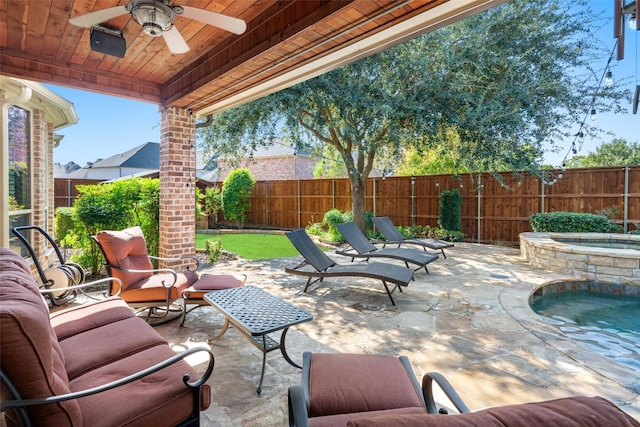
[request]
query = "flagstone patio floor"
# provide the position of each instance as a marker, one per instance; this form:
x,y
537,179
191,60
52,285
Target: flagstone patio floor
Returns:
x,y
468,319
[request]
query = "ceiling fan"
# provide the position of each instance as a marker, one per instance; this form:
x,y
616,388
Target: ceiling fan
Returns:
x,y
156,18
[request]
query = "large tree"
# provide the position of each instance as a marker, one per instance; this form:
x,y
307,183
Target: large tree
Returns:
x,y
618,152
506,80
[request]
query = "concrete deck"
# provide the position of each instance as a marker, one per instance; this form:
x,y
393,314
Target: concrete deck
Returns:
x,y
469,319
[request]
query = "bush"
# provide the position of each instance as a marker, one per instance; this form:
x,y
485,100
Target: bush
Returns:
x,y
114,206
331,218
212,203
213,249
236,191
570,222
417,231
63,225
450,204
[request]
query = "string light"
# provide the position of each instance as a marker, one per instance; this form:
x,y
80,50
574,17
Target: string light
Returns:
x,y
608,78
594,115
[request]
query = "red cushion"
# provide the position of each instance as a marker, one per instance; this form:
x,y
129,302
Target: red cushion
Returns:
x,y
161,398
29,351
74,320
152,288
567,412
126,249
347,383
213,282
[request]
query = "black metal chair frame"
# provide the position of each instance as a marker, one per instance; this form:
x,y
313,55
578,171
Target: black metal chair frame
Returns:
x,y
323,266
157,312
394,237
73,272
21,405
361,247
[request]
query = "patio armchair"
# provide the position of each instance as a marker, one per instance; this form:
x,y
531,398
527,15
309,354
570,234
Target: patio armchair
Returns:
x,y
358,390
393,236
361,247
151,291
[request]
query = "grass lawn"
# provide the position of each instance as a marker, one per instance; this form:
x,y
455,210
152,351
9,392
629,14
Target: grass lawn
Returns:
x,y
251,246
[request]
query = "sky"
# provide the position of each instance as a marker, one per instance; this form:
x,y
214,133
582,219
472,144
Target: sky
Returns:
x,y
109,125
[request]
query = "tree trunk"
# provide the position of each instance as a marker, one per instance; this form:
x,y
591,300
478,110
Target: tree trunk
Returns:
x,y
357,202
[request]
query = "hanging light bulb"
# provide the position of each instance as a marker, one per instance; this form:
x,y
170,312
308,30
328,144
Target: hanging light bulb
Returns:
x,y
580,136
608,78
564,166
633,22
573,149
594,114
560,175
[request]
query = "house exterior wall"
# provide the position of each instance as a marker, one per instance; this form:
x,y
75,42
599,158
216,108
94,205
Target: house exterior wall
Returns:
x,y
274,168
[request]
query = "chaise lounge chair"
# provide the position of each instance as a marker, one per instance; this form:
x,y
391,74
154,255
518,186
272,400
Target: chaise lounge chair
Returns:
x,y
322,266
361,247
393,236
362,390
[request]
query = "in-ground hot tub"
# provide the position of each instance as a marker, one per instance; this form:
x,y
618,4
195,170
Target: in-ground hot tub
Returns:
x,y
610,258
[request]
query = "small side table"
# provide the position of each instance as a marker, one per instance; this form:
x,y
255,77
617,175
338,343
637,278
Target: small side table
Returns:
x,y
255,314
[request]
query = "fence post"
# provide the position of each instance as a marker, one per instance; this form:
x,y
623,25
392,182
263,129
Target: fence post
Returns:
x,y
374,197
542,204
299,207
479,204
266,202
333,194
625,213
413,200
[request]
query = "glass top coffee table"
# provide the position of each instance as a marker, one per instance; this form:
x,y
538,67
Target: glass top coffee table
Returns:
x,y
255,313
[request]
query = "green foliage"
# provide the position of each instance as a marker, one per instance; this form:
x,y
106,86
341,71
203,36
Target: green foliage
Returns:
x,y
570,222
115,206
212,202
236,190
637,230
200,211
427,232
618,152
14,205
253,245
450,204
331,218
63,224
213,249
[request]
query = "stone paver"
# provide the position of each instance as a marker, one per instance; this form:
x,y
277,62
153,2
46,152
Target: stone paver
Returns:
x,y
468,319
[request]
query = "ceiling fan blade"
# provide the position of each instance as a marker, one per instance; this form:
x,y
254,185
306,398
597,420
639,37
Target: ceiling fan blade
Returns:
x,y
233,25
93,18
175,41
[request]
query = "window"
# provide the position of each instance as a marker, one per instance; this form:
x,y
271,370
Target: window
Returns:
x,y
20,209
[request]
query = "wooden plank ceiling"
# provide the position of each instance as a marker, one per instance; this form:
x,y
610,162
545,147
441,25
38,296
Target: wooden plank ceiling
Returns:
x,y
38,43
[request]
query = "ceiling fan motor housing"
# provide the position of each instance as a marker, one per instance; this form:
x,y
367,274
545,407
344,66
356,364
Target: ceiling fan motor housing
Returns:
x,y
154,16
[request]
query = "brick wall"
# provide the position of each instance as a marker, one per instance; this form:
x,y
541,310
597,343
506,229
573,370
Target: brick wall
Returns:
x,y
274,168
177,186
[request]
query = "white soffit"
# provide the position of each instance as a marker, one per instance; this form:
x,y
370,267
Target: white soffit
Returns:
x,y
431,20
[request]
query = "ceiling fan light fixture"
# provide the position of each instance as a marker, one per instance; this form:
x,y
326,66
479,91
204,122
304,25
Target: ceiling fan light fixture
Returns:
x,y
155,17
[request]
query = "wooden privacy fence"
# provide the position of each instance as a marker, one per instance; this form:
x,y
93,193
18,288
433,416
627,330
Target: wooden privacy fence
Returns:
x,y
64,190
491,212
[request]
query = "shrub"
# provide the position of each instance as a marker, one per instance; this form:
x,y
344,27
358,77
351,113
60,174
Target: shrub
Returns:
x,y
213,249
331,218
63,225
236,190
570,222
212,203
450,203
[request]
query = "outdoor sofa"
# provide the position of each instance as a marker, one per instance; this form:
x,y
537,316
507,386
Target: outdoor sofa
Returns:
x,y
94,364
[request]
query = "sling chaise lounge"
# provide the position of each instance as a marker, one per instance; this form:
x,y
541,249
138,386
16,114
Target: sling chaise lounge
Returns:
x,y
361,247
322,266
393,236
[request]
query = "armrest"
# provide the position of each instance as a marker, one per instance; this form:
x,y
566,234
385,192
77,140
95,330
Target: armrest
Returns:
x,y
298,416
152,271
111,385
197,262
446,387
83,285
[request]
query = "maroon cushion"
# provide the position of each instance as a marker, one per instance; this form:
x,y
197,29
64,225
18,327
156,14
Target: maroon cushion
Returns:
x,y
75,320
159,399
29,352
567,412
152,288
342,419
347,383
126,249
106,344
213,282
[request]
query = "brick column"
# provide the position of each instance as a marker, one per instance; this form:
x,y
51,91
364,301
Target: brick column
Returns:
x,y
177,186
39,183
